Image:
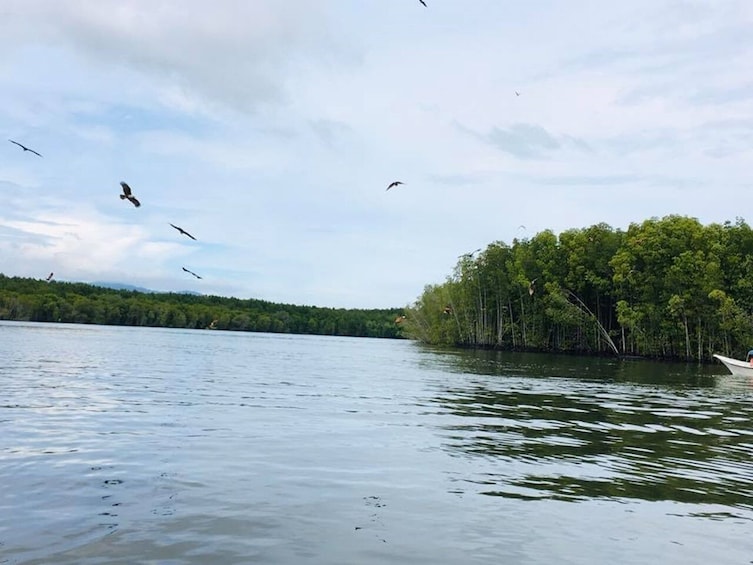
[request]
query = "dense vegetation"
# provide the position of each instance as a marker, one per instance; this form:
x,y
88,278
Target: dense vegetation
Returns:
x,y
39,301
668,288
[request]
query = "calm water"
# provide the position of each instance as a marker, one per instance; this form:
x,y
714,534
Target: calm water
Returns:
x,y
132,445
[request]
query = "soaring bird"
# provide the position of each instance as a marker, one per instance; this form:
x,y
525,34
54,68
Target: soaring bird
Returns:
x,y
49,277
191,272
394,184
24,147
127,194
184,232
469,255
422,2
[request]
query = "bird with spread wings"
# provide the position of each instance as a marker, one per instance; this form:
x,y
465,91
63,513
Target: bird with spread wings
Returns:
x,y
128,194
184,232
24,147
191,272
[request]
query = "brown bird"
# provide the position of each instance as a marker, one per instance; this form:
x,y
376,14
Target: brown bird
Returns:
x,y
399,319
49,278
24,147
184,232
127,194
394,184
194,274
447,310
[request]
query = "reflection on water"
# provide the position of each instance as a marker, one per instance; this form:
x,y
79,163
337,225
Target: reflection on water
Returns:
x,y
600,428
601,369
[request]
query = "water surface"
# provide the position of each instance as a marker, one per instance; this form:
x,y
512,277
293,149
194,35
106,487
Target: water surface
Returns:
x,y
139,445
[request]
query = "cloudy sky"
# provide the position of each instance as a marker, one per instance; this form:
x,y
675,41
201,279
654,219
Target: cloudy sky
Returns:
x,y
270,130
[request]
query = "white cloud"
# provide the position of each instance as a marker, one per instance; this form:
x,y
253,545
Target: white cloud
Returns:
x,y
80,244
231,51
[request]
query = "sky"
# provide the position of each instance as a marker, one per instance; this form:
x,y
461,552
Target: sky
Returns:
x,y
270,131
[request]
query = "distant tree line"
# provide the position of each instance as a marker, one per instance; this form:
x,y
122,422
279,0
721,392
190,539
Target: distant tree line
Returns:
x,y
665,288
39,301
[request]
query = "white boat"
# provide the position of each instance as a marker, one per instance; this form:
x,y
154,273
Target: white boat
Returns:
x,y
735,366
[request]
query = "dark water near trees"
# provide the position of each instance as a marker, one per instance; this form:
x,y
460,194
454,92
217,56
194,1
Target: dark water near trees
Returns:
x,y
133,445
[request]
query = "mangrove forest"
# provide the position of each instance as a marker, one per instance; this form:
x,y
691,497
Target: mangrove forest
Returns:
x,y
667,288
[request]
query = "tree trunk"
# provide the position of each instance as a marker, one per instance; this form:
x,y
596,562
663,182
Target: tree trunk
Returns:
x,y
687,336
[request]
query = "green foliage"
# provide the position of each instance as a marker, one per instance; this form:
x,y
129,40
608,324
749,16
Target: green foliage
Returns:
x,y
668,287
39,301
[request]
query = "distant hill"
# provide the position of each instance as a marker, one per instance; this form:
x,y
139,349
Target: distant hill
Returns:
x,y
123,286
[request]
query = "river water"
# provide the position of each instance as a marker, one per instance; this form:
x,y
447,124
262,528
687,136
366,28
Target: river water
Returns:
x,y
146,445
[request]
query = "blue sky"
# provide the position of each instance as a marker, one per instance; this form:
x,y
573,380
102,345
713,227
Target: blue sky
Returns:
x,y
270,131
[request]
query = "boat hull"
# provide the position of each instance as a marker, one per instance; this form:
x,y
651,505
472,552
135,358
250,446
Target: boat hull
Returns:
x,y
735,366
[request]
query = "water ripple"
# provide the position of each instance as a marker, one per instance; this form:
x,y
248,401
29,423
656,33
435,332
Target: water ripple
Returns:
x,y
125,445
617,442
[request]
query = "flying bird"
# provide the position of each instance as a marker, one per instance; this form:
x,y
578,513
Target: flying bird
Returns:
x,y
49,277
184,232
424,3
469,255
517,93
191,272
394,184
127,194
24,147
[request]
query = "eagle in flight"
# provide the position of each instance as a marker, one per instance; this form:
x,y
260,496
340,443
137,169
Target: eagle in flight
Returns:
x,y
127,194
